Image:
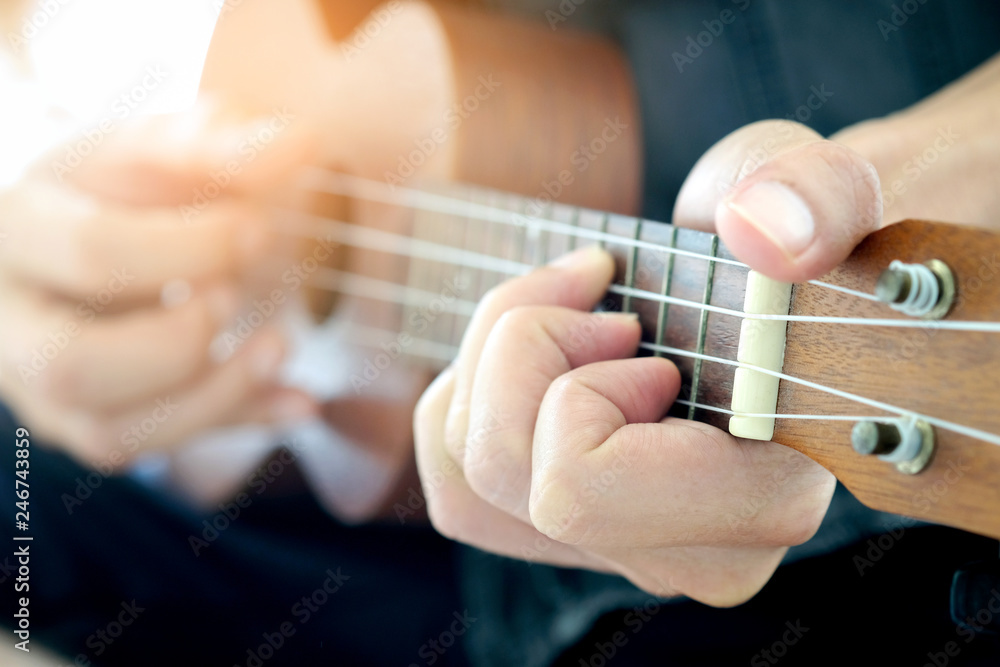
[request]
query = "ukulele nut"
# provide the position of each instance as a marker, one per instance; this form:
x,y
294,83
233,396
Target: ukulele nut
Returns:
x,y
919,290
906,442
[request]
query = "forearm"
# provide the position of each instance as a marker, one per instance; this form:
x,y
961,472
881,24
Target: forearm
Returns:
x,y
938,159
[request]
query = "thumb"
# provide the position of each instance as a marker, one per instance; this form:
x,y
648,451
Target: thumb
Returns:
x,y
194,156
783,199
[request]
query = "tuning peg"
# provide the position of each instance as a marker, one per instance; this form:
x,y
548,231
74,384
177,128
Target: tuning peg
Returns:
x,y
920,290
909,443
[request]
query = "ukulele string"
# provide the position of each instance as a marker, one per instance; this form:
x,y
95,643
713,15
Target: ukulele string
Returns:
x,y
314,227
447,353
337,183
774,415
879,405
399,244
365,287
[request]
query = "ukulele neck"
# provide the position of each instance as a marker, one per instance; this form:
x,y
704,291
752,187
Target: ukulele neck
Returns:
x,y
422,260
455,242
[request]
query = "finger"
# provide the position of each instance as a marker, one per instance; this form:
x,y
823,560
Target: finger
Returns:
x,y
219,398
548,342
675,483
785,201
716,576
455,510
186,158
76,246
111,361
578,281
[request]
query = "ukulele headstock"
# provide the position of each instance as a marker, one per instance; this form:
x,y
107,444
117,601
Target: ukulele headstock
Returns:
x,y
943,375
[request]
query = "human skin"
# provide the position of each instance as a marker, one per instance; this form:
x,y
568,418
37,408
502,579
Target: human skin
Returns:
x,y
357,115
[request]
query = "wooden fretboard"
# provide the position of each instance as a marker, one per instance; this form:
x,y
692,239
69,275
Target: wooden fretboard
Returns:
x,y
467,240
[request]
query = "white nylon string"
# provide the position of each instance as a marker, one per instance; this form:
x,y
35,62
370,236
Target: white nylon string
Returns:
x,y
879,405
353,186
342,232
362,188
774,415
312,226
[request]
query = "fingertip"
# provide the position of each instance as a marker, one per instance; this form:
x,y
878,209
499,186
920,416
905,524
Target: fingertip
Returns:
x,y
590,260
754,246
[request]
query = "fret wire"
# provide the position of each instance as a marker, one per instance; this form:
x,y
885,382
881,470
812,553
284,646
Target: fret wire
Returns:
x,y
456,330
633,258
521,238
418,266
668,275
604,232
703,328
495,246
451,231
574,221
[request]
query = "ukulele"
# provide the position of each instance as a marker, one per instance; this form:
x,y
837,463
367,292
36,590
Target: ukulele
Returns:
x,y
887,370
915,392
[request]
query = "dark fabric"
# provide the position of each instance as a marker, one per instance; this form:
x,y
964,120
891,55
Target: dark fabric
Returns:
x,y
773,55
883,603
126,549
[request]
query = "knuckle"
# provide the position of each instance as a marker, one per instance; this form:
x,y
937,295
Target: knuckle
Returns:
x,y
507,297
495,475
498,300
442,514
483,471
554,507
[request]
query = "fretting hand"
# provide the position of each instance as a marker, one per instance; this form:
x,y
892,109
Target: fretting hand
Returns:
x,y
546,441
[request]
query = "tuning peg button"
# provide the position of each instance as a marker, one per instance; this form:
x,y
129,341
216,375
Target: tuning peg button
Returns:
x,y
908,442
870,438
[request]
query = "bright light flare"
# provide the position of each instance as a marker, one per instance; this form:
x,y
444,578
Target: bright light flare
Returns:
x,y
94,51
92,60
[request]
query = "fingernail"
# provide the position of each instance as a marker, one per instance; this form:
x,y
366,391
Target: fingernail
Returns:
x,y
777,212
223,303
590,255
266,358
